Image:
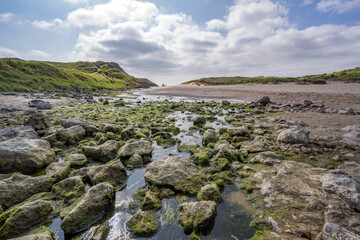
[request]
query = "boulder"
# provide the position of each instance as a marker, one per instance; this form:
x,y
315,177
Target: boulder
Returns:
x,y
268,158
18,132
199,120
44,105
210,136
143,224
71,135
238,131
19,187
25,155
127,133
39,122
295,135
91,207
334,232
25,217
41,233
101,233
131,147
76,159
34,103
103,152
209,192
263,102
189,146
198,217
69,189
66,123
58,170
151,202
259,144
135,160
224,150
114,128
113,172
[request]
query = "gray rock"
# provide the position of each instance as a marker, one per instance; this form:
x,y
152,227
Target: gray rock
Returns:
x,y
238,131
71,135
209,192
268,158
43,105
66,123
210,136
103,152
92,207
58,170
25,155
307,102
347,111
114,128
353,169
189,146
76,159
68,189
39,122
135,160
335,232
18,132
41,233
259,144
131,147
127,133
113,172
34,103
294,136
199,120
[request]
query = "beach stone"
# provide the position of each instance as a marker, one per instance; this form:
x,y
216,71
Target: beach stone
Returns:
x,y
66,123
210,136
25,155
101,233
34,103
224,150
103,152
189,146
39,122
113,172
58,170
135,160
209,192
335,232
307,103
151,202
238,131
114,128
76,159
259,144
347,111
268,158
71,135
197,217
18,132
143,224
199,120
128,133
44,105
25,217
131,147
263,102
41,233
69,189
294,136
91,207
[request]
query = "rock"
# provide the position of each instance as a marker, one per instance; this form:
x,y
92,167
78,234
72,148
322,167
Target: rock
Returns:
x,y
224,150
131,147
19,187
76,159
339,182
210,136
25,217
209,192
353,168
173,172
197,217
225,103
348,156
189,146
127,133
307,102
39,122
114,128
238,131
143,224
18,132
71,135
335,232
135,160
35,102
199,120
268,158
58,170
294,136
113,172
69,189
25,155
274,225
347,111
41,233
151,202
263,102
103,152
259,144
66,123
44,105
101,233
91,207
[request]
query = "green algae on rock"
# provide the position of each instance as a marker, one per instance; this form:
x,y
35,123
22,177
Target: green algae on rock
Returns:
x,y
143,224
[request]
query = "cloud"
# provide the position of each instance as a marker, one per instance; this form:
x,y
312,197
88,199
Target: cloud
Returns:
x,y
339,6
44,25
6,52
37,54
307,2
76,1
6,17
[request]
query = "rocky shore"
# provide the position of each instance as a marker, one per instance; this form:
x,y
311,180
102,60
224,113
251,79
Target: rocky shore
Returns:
x,y
109,168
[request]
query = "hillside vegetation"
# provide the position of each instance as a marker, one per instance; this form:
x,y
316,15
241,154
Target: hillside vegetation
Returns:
x,y
20,75
349,75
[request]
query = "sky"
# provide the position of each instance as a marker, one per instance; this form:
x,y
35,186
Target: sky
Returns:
x,y
173,41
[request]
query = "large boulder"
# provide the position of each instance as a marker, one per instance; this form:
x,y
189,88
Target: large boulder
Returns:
x,y
41,233
103,152
25,217
66,123
18,132
19,187
25,155
71,135
259,144
335,232
295,135
174,172
131,147
91,207
198,217
210,136
113,172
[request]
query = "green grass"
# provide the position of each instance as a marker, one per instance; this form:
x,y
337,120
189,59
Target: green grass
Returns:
x,y
349,75
19,75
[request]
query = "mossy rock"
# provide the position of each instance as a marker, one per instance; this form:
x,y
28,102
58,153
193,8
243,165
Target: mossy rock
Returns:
x,y
69,189
101,233
150,202
41,233
191,184
143,224
209,192
76,159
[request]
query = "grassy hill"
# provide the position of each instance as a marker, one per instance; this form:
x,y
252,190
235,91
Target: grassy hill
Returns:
x,y
20,75
349,75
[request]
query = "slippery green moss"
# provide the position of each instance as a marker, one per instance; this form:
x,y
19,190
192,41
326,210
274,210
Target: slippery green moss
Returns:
x,y
191,184
151,202
101,233
260,235
143,224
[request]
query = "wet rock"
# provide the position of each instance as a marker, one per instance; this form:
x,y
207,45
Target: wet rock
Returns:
x,y
151,202
197,217
334,232
92,207
69,189
103,152
25,155
66,123
41,233
25,217
19,187
127,133
171,172
209,192
113,172
76,159
58,170
224,150
268,158
44,105
259,144
189,146
294,136
238,131
210,136
135,160
39,122
114,128
131,147
71,135
199,120
18,132
143,224
101,233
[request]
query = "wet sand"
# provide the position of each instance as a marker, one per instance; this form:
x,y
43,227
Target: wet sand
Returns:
x,y
334,94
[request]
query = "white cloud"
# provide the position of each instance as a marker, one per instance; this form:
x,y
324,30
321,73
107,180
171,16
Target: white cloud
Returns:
x,y
6,52
339,6
76,1
6,17
307,2
48,25
37,55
